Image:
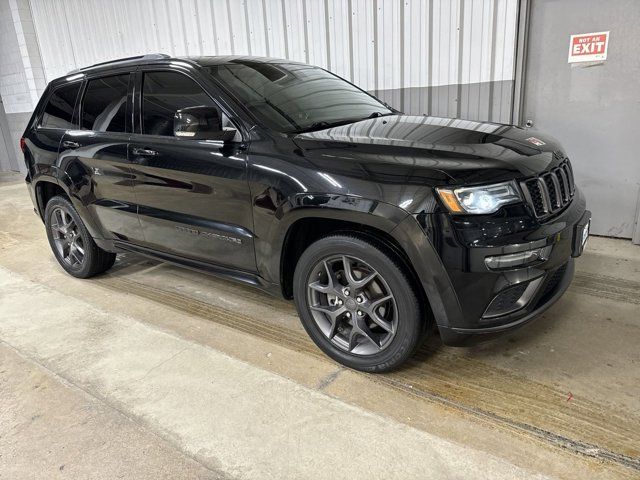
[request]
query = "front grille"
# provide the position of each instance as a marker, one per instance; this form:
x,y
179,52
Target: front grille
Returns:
x,y
551,191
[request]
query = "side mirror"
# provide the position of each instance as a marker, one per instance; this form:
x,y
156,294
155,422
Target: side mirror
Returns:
x,y
200,123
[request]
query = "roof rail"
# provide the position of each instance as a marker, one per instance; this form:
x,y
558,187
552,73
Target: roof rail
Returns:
x,y
149,56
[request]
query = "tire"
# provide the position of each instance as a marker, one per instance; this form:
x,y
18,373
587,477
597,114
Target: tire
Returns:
x,y
399,327
68,237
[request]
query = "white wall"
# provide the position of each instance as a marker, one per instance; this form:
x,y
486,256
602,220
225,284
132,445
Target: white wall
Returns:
x,y
452,58
14,86
21,75
381,45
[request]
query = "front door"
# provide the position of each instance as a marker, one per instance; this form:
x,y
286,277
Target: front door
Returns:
x,y
94,158
193,195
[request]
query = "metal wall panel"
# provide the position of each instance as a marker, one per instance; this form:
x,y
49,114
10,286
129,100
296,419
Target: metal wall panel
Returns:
x,y
8,155
442,57
593,109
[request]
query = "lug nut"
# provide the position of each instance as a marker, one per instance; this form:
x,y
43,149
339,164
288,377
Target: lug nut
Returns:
x,y
348,314
359,299
346,292
339,302
360,313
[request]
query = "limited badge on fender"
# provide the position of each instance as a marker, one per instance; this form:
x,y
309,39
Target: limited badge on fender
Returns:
x,y
536,141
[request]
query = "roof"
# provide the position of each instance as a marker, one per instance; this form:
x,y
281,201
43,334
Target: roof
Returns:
x,y
204,61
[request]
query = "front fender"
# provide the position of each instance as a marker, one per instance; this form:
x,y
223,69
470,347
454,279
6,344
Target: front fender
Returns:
x,y
430,270
390,219
273,224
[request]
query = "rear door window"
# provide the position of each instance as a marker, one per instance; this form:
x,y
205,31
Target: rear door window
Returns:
x,y
104,107
58,113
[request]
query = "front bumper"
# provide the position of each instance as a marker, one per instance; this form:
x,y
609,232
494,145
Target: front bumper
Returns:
x,y
469,336
465,243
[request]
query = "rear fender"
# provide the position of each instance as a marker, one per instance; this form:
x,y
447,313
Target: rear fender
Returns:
x,y
65,183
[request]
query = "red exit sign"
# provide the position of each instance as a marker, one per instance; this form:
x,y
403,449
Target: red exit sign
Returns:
x,y
588,47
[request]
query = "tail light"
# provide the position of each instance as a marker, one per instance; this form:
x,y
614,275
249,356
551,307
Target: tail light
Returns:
x,y
23,144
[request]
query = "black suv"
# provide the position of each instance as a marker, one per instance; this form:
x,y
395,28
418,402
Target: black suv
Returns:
x,y
287,177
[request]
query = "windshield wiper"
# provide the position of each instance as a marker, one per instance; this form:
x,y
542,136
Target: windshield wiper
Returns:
x,y
322,124
378,114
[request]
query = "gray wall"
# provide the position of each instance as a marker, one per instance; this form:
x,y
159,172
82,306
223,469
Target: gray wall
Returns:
x,y
593,110
17,122
8,158
470,101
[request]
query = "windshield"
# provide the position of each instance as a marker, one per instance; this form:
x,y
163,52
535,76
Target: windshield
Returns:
x,y
294,98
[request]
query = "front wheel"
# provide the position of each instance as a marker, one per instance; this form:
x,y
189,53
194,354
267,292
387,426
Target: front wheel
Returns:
x,y
357,303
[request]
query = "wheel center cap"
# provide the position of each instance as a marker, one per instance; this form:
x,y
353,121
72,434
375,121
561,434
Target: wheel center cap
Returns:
x,y
350,303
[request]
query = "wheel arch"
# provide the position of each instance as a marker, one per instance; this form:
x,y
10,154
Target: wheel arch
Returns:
x,y
45,189
392,226
304,231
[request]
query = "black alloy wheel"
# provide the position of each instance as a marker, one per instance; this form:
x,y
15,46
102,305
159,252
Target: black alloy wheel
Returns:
x,y
352,305
66,237
357,302
71,242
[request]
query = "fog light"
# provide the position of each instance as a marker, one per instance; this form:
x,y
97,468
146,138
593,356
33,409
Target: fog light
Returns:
x,y
519,259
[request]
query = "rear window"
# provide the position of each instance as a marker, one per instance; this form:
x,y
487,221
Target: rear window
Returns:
x,y
104,106
58,113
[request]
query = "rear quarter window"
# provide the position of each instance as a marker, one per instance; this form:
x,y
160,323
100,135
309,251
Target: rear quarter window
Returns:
x,y
58,112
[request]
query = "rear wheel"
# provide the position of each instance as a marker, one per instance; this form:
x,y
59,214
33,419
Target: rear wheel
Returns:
x,y
71,243
357,303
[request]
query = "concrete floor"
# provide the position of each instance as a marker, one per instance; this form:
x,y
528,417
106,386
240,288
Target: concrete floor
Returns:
x,y
152,371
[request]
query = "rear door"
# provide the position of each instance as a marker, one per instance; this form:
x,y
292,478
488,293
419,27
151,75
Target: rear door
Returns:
x,y
94,156
193,195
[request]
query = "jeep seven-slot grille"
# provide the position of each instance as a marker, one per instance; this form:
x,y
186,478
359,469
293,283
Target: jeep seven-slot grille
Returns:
x,y
550,192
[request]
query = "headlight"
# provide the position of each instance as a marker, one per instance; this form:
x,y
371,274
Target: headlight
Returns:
x,y
479,200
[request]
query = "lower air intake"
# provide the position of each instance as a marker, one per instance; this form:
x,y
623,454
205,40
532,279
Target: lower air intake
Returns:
x,y
512,298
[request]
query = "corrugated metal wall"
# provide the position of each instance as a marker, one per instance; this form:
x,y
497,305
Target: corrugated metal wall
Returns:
x,y
442,57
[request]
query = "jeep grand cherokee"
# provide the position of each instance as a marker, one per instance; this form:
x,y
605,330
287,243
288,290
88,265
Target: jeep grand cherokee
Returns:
x,y
285,176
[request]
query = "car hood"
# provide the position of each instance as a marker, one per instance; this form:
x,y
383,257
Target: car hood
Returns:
x,y
432,150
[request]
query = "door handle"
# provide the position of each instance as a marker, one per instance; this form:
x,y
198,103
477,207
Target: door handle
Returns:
x,y
144,152
70,144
